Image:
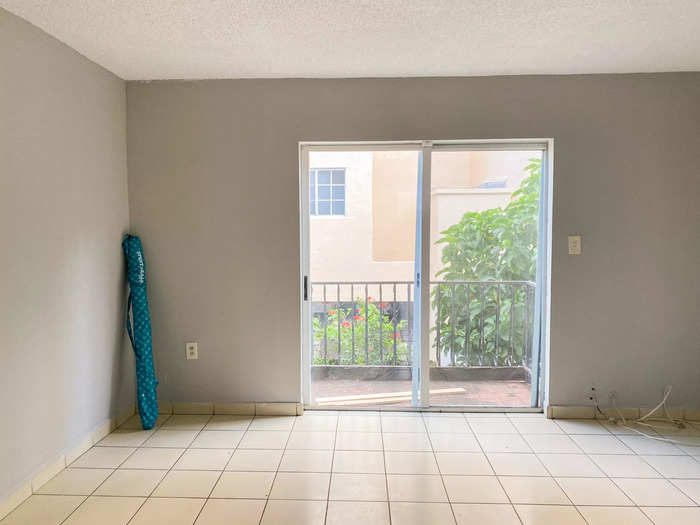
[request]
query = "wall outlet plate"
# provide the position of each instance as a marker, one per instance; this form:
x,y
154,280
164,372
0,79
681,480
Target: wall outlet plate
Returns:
x,y
574,245
191,351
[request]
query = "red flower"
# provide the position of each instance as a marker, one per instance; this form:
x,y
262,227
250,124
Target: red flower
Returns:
x,y
384,305
370,299
358,318
331,312
394,336
346,324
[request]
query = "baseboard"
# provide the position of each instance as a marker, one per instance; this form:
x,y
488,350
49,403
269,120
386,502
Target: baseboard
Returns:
x,y
243,409
588,412
57,464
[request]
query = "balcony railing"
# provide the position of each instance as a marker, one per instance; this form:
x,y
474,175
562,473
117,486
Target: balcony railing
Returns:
x,y
473,323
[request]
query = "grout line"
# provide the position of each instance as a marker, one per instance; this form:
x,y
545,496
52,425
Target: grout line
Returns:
x,y
442,479
476,438
330,477
274,478
386,475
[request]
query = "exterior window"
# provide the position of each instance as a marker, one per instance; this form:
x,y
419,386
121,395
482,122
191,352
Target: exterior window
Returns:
x,y
327,191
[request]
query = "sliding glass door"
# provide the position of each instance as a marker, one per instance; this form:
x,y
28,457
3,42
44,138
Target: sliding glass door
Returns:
x,y
423,271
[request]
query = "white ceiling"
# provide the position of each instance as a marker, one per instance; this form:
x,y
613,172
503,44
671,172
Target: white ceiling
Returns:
x,y
192,39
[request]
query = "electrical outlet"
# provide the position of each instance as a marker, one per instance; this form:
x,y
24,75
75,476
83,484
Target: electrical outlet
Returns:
x,y
191,351
574,245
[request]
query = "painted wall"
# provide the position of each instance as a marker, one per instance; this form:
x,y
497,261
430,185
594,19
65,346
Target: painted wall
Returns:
x,y
213,186
64,368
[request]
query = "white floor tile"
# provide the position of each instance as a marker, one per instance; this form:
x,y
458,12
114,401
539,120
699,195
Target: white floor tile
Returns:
x,y
358,461
404,513
255,460
514,464
474,489
226,422
134,422
312,440
444,442
264,439
359,424
105,510
358,441
491,426
690,487
272,423
410,463
581,426
102,457
624,466
596,444
403,424
244,485
230,511
593,491
306,461
186,484
217,439
75,481
453,425
671,516
186,422
171,438
294,513
614,516
43,510
653,492
503,443
407,441
463,463
298,485
479,514
358,487
168,511
537,426
549,515
570,465
643,445
125,438
540,491
316,423
153,458
131,483
416,488
552,444
675,466
357,513
204,459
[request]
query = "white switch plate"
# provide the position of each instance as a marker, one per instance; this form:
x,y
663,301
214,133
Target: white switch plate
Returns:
x,y
574,245
192,351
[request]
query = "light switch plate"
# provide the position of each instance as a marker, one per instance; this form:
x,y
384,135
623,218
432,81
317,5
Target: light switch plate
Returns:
x,y
191,351
574,245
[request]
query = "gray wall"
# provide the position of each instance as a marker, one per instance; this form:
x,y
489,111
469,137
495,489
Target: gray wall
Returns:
x,y
63,207
213,191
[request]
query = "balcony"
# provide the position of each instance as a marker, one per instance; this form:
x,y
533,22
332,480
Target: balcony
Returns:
x,y
481,341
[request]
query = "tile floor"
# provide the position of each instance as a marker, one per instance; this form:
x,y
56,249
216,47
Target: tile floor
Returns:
x,y
370,467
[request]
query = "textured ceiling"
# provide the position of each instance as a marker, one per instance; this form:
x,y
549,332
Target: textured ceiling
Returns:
x,y
191,39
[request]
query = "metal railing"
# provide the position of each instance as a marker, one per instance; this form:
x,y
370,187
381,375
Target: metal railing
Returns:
x,y
473,323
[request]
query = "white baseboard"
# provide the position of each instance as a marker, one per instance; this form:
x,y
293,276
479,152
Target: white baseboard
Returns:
x,y
588,412
56,465
244,409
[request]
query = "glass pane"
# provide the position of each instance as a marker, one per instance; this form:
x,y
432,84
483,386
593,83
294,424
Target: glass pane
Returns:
x,y
338,176
339,192
324,192
482,316
338,207
324,177
360,328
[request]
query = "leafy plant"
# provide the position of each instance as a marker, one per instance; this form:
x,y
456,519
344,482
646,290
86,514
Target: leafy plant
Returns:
x,y
499,244
374,329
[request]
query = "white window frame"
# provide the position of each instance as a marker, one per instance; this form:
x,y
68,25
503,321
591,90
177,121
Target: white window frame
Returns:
x,y
330,185
540,390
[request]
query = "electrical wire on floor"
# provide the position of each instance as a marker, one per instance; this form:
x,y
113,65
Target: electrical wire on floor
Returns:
x,y
650,420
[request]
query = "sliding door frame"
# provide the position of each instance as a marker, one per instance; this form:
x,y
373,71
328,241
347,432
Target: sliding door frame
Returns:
x,y
421,385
